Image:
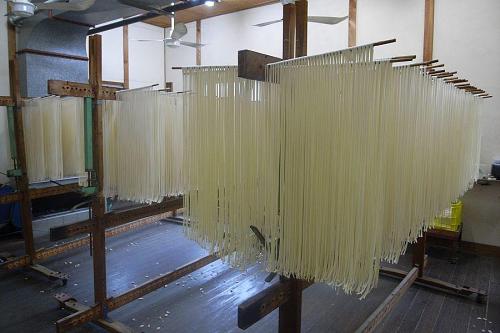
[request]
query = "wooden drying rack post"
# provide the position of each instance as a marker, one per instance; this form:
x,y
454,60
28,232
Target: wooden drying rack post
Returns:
x,y
24,194
114,222
286,295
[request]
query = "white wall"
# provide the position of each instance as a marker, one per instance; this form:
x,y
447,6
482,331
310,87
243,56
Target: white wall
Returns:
x,y
225,35
112,55
386,19
5,161
467,39
146,59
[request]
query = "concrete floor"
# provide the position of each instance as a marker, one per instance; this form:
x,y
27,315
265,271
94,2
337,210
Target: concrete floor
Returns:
x,y
207,300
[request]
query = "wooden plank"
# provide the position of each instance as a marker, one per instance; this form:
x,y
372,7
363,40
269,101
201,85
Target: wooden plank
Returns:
x,y
198,41
37,193
352,23
115,219
252,65
301,10
428,30
98,204
152,285
389,303
67,88
53,54
290,312
119,218
418,257
263,303
126,77
288,31
9,198
7,101
22,182
203,12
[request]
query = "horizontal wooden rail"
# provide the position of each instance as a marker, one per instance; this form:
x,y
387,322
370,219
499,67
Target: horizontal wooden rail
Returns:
x,y
115,219
37,193
67,88
265,302
7,101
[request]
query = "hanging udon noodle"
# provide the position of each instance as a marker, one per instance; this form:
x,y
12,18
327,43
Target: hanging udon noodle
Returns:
x,y
339,160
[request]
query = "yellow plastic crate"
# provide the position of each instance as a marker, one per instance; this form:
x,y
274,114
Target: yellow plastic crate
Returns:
x,y
451,219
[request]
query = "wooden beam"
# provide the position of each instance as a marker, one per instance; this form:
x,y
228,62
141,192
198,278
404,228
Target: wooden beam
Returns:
x,y
428,30
7,101
198,41
301,10
115,219
352,23
290,312
67,88
263,303
252,65
98,204
126,78
288,31
53,54
389,303
152,285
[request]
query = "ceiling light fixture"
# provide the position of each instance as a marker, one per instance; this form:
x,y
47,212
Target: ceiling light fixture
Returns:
x,y
22,8
209,3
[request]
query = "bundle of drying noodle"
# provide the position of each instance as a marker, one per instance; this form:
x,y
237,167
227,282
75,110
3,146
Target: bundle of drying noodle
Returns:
x,y
142,133
340,161
53,131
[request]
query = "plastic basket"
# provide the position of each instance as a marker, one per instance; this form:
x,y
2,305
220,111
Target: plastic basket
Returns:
x,y
451,219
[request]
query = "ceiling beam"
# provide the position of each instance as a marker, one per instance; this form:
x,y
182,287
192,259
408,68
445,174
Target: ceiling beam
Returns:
x,y
143,17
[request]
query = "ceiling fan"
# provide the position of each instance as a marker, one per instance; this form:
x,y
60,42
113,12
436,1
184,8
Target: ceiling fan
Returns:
x,y
25,8
177,31
330,20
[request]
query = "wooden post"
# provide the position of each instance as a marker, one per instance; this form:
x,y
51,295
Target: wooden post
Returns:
x,y
23,181
289,31
428,30
98,204
290,312
419,255
301,28
352,23
126,77
198,41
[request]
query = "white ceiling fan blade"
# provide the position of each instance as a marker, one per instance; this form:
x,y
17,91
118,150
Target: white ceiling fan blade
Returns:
x,y
191,44
153,40
180,30
263,24
68,5
326,19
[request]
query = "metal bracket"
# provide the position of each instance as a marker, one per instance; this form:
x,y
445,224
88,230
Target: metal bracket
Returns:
x,y
14,173
52,275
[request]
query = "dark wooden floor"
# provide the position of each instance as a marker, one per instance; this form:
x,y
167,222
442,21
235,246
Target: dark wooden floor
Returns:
x,y
207,300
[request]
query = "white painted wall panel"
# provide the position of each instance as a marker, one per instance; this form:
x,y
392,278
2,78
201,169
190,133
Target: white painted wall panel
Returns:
x,y
386,19
466,39
112,55
146,59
